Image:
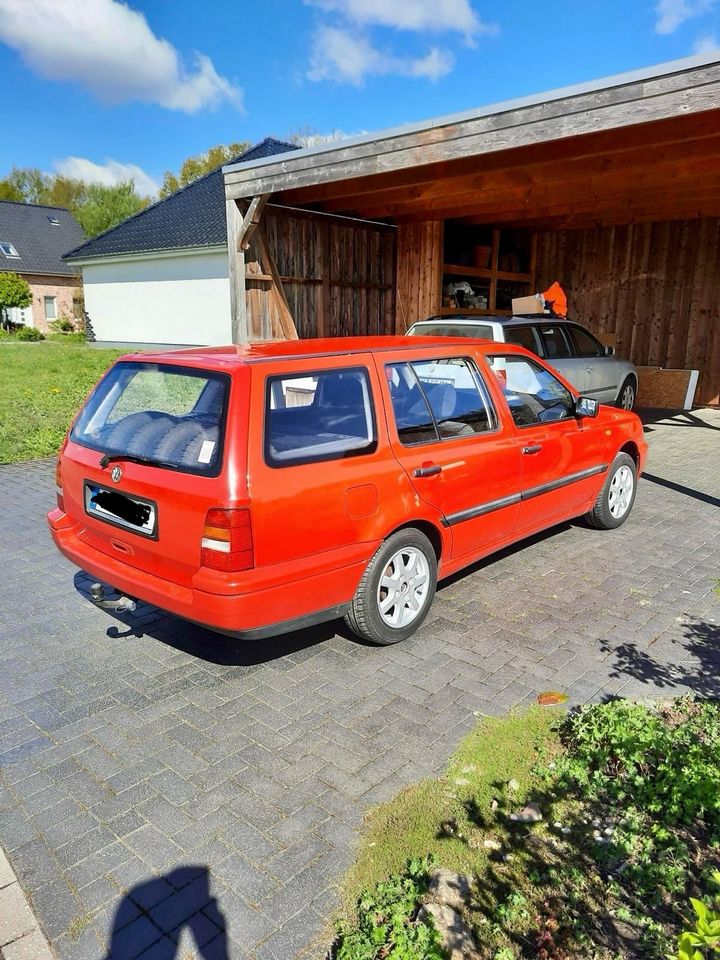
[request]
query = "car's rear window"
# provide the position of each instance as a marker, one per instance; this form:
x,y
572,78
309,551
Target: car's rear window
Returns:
x,y
168,415
475,330
314,416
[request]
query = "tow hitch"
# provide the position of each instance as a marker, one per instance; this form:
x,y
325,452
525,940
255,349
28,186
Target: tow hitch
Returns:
x,y
120,604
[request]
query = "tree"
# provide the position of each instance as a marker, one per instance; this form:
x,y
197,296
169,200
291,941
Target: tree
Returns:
x,y
94,206
14,292
200,164
104,207
25,184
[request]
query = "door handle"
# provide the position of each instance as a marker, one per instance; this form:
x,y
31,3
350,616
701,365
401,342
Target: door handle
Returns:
x,y
534,448
427,470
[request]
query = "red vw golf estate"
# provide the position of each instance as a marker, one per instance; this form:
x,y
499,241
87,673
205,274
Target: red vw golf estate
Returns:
x,y
262,488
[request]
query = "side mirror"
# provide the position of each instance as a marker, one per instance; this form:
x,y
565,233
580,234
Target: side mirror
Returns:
x,y
586,407
609,351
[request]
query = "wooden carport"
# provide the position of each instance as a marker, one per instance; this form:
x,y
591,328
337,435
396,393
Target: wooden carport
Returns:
x,y
616,183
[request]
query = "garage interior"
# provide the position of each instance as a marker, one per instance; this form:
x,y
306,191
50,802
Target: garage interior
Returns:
x,y
613,189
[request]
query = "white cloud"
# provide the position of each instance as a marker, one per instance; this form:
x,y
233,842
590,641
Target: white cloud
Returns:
x,y
347,57
111,51
706,43
439,16
673,13
108,174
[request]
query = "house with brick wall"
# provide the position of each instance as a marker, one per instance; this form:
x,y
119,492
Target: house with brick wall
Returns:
x,y
33,239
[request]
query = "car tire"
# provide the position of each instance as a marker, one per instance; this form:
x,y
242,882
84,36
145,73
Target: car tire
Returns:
x,y
627,395
404,569
616,499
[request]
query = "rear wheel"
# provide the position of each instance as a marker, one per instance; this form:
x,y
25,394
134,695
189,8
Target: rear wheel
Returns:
x,y
626,397
617,496
396,590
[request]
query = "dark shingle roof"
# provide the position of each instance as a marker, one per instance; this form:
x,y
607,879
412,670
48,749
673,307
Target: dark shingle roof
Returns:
x,y
193,216
40,243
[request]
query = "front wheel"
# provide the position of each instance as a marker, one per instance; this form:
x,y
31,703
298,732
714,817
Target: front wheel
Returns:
x,y
396,590
626,397
617,496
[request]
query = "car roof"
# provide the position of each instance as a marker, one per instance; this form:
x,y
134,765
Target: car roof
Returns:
x,y
471,320
236,354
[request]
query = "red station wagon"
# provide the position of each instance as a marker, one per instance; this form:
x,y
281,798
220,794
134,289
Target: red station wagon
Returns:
x,y
258,489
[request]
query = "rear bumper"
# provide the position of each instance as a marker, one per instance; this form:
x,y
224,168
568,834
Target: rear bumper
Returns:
x,y
252,615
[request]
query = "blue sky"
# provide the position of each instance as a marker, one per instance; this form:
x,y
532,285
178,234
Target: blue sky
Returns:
x,y
105,89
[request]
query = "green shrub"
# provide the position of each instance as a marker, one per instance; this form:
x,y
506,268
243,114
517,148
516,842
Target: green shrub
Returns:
x,y
704,935
388,925
658,771
62,325
29,334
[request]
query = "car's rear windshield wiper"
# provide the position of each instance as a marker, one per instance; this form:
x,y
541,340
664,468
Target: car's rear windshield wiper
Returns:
x,y
133,458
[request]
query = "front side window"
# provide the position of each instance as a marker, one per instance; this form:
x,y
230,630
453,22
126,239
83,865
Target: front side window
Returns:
x,y
585,343
555,343
323,415
533,394
164,415
438,400
50,308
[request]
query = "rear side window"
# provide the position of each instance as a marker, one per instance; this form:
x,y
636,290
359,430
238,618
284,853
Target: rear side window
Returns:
x,y
523,337
168,415
439,399
324,415
585,342
555,344
475,330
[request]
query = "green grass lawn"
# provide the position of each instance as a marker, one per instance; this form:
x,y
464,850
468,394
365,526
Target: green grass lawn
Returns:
x,y
42,385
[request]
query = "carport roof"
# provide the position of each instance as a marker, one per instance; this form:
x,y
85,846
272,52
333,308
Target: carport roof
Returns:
x,y
193,216
641,145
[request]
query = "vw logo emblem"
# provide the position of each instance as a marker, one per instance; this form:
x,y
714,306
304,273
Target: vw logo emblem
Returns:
x,y
116,474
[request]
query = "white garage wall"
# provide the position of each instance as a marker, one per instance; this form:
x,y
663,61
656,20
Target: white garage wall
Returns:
x,y
182,298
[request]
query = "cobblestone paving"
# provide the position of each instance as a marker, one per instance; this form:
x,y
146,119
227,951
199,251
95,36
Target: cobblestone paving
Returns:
x,y
157,781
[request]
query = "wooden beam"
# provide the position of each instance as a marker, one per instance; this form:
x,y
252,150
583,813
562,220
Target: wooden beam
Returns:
x,y
678,159
648,137
239,330
251,220
618,107
276,292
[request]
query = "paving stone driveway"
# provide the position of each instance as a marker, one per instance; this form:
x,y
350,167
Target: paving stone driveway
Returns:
x,y
154,776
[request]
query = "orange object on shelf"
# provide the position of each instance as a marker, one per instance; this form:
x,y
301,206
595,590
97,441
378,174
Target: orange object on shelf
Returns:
x,y
556,300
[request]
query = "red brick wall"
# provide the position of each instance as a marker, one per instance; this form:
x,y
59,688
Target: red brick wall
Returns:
x,y
62,288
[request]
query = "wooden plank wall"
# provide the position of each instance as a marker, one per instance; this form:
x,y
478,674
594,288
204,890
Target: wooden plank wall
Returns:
x,y
655,286
419,271
338,275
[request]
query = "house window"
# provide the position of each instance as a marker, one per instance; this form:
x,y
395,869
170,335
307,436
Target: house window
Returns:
x,y
50,308
54,221
9,250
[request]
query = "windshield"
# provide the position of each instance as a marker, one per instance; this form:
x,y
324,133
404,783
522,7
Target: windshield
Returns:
x,y
166,415
470,330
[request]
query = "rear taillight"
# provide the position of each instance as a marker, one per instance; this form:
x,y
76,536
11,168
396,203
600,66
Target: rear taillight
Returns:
x,y
227,542
58,486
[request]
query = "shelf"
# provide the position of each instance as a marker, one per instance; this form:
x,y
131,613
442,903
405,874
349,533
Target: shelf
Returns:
x,y
486,273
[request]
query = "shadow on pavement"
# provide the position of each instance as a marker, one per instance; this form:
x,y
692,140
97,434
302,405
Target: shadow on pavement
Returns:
x,y
207,645
701,642
153,915
681,488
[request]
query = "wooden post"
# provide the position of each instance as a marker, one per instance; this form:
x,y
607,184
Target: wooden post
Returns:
x,y
239,329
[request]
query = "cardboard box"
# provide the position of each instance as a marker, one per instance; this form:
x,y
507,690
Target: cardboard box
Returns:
x,y
523,305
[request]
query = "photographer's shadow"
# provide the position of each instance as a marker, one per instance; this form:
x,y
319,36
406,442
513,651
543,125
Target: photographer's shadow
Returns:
x,y
153,915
